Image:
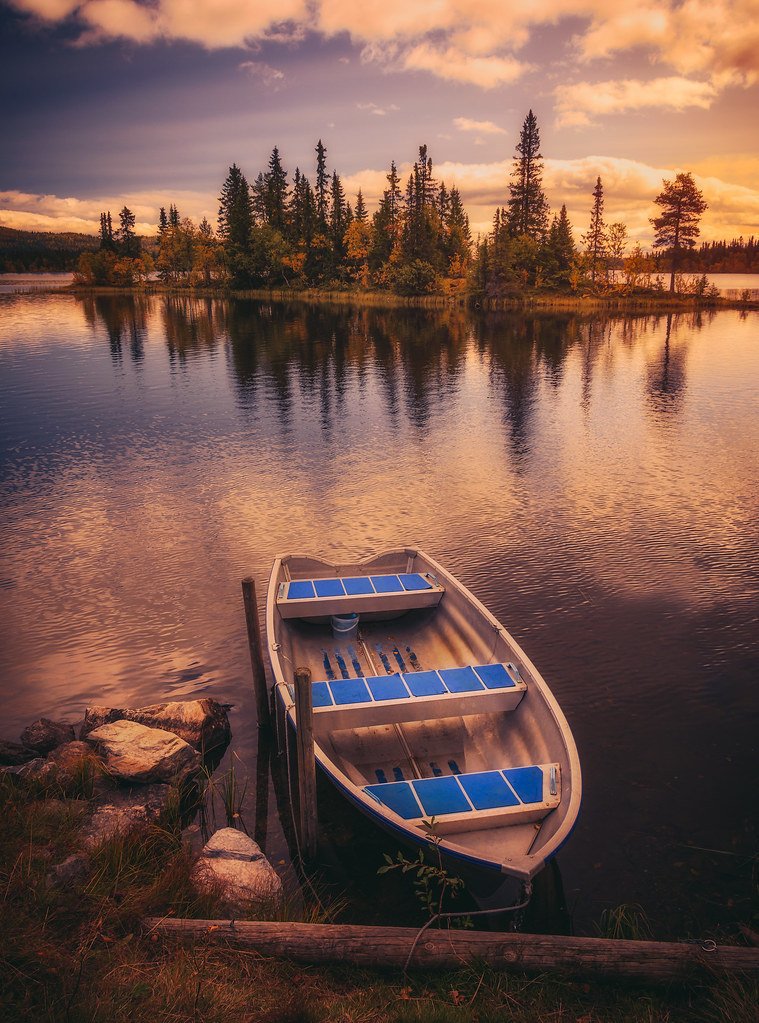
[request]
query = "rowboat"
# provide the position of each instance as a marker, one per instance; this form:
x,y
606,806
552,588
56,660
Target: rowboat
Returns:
x,y
427,715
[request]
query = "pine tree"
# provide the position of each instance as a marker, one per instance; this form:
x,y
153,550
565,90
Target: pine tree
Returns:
x,y
322,187
128,242
163,222
677,227
235,209
360,215
527,205
595,241
106,232
558,250
173,216
338,217
236,226
275,192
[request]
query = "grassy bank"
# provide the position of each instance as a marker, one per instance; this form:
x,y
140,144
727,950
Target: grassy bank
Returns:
x,y
76,952
650,302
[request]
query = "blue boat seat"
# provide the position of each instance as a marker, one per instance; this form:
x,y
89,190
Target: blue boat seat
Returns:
x,y
416,696
473,801
315,598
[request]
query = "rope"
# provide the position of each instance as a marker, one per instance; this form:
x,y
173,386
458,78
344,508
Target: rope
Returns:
x,y
479,912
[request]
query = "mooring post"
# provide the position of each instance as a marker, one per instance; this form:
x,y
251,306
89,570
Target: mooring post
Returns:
x,y
304,710
256,656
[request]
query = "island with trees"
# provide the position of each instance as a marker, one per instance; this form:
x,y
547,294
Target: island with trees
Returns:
x,y
292,236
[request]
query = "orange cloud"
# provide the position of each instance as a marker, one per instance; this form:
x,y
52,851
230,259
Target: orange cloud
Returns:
x,y
629,190
577,103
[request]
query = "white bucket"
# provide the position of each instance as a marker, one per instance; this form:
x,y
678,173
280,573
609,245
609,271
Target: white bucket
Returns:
x,y
345,626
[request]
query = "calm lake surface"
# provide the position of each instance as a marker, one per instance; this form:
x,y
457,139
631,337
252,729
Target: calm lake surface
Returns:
x,y
593,481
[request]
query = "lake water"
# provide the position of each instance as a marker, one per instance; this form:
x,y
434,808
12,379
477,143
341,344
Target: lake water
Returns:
x,y
593,481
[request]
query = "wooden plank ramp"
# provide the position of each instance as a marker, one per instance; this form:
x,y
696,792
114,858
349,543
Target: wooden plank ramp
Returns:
x,y
652,961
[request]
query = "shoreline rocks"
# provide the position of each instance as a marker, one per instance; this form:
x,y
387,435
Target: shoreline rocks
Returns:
x,y
235,863
203,724
132,752
43,735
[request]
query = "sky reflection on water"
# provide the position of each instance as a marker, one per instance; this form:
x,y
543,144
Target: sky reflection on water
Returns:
x,y
592,481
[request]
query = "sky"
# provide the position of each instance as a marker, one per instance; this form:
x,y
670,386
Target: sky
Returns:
x,y
148,102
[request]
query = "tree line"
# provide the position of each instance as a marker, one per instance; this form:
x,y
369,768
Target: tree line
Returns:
x,y
280,231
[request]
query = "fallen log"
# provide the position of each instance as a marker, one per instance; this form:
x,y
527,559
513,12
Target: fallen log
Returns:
x,y
652,961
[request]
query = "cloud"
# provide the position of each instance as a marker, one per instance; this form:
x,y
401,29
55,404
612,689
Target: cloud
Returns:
x,y
474,42
481,127
270,76
630,187
31,212
577,103
377,110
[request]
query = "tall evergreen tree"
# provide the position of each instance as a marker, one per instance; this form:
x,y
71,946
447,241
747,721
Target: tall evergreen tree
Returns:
x,y
276,192
106,232
558,250
527,205
322,187
236,226
235,209
595,241
360,214
128,242
163,222
338,221
173,216
682,205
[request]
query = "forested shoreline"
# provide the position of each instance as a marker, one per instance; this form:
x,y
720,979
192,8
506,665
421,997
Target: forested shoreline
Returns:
x,y
283,233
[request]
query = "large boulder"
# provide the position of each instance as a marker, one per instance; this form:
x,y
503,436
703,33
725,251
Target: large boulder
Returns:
x,y
123,810
234,862
43,735
133,752
12,753
201,723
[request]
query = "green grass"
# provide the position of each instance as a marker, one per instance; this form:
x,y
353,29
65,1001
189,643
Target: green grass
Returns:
x,y
77,954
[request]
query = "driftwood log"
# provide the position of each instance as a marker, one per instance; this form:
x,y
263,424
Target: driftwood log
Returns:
x,y
652,961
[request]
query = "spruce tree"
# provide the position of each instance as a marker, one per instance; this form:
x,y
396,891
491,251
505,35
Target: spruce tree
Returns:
x,y
106,232
236,226
163,222
173,216
360,213
322,187
527,205
275,192
677,227
338,217
128,242
595,240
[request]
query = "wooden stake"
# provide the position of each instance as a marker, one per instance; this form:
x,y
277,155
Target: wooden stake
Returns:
x,y
304,720
656,961
256,657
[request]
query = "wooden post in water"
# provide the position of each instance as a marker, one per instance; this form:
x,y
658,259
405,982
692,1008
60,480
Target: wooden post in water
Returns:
x,y
304,711
256,656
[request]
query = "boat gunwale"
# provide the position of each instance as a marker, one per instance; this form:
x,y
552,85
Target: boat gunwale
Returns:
x,y
523,867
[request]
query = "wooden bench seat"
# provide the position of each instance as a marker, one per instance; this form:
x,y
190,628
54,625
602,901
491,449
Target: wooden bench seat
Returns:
x,y
415,696
315,598
468,802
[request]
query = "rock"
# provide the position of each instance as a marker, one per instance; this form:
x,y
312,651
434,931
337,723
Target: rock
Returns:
x,y
235,862
12,754
44,734
77,763
94,717
124,810
73,869
37,770
201,723
135,753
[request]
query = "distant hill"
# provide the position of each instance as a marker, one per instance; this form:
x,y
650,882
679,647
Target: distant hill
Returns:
x,y
24,251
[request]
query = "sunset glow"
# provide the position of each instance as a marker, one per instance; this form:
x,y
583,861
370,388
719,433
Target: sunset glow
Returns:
x,y
113,102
